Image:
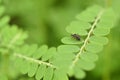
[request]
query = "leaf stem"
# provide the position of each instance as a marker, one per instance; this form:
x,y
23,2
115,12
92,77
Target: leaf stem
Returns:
x,y
34,60
107,62
16,37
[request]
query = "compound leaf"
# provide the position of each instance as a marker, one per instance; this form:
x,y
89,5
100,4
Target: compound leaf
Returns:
x,y
92,25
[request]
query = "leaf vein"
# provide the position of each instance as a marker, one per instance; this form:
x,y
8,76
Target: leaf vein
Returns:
x,y
34,60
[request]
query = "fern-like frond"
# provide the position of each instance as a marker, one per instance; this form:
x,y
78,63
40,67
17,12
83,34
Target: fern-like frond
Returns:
x,y
92,25
11,37
74,57
43,62
35,61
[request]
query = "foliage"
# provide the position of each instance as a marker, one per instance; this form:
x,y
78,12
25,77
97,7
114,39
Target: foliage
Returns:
x,y
72,58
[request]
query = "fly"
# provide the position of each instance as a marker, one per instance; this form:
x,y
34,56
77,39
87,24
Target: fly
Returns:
x,y
76,36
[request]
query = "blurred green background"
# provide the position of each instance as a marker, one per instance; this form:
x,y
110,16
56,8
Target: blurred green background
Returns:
x,y
45,21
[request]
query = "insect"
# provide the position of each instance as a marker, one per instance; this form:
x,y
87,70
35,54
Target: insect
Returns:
x,y
76,36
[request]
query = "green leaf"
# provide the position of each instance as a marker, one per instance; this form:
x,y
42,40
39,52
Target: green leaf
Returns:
x,y
48,74
101,31
31,50
87,56
89,14
40,52
108,19
23,50
68,48
70,40
93,48
33,69
59,75
63,60
76,31
4,21
79,73
49,54
40,72
85,65
99,40
77,24
25,66
18,62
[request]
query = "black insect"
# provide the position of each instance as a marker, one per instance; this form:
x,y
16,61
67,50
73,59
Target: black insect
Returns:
x,y
76,36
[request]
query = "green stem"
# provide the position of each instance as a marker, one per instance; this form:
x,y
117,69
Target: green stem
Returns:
x,y
107,60
34,60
